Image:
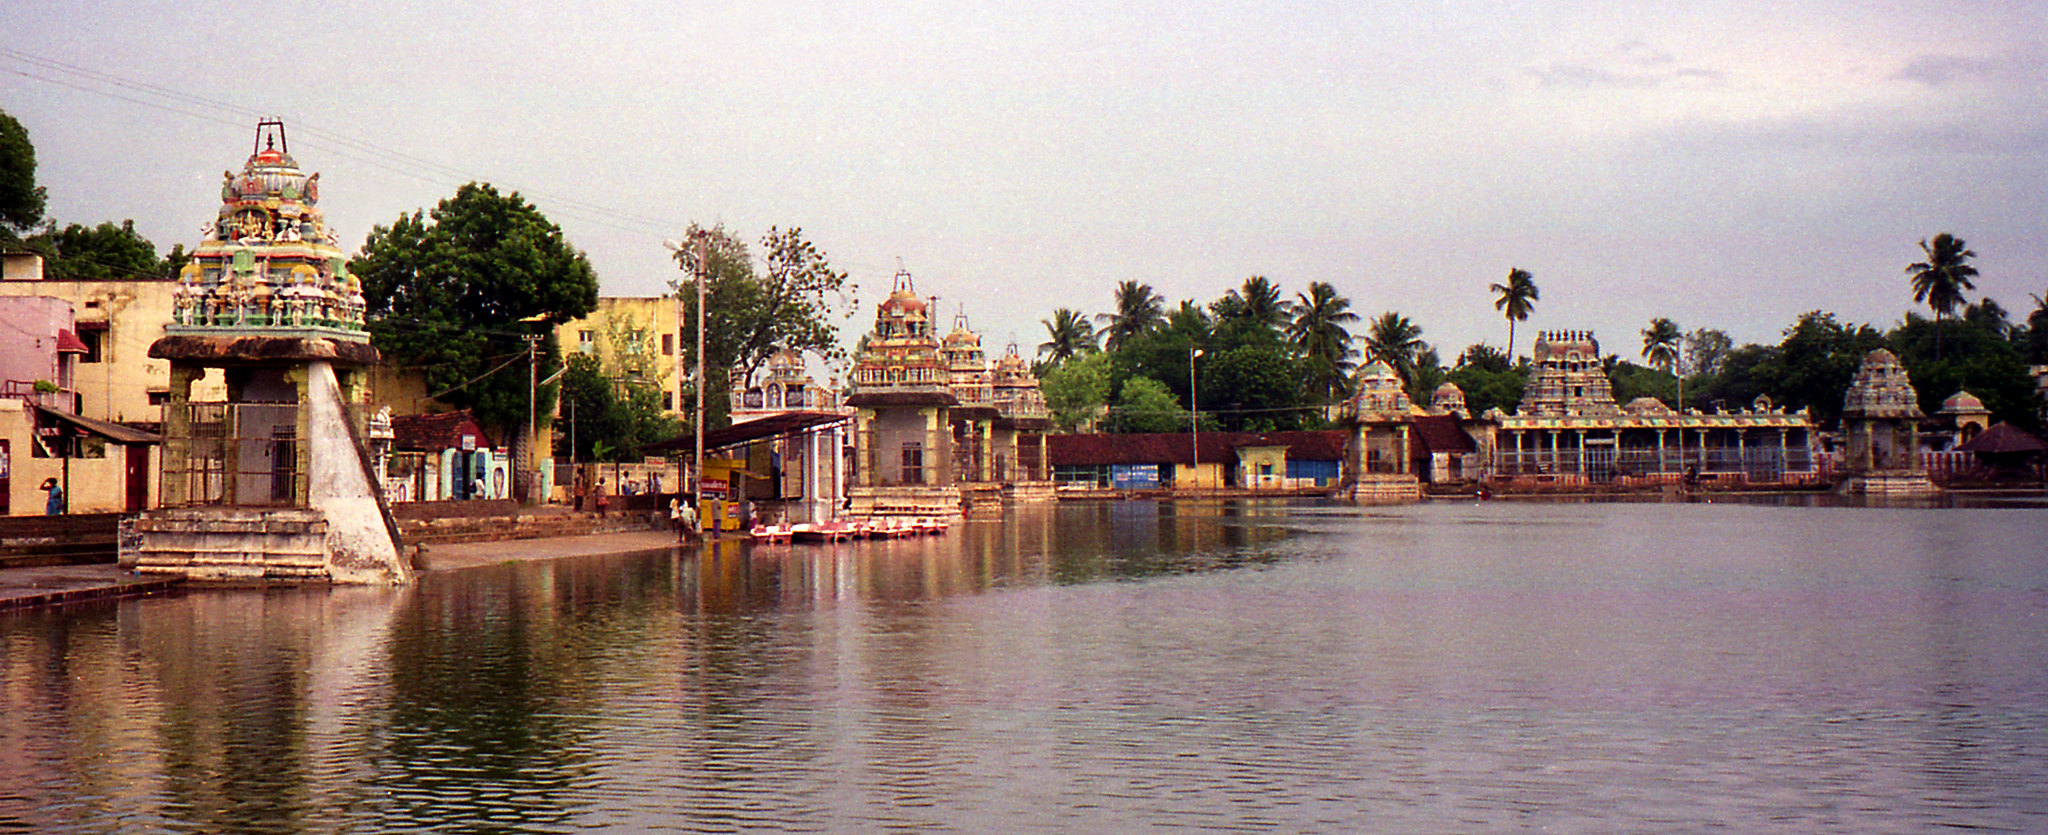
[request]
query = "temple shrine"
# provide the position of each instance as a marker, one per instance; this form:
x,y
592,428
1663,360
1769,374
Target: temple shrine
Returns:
x,y
937,426
903,400
273,482
1881,419
1568,430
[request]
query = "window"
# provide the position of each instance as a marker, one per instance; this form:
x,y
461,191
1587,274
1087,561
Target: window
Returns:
x,y
586,342
668,400
94,335
913,463
158,398
668,345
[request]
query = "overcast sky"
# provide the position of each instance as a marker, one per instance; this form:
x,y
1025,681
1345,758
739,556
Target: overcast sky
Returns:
x,y
1725,163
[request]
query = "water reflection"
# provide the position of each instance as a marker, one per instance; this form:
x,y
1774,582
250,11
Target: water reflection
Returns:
x,y
1105,666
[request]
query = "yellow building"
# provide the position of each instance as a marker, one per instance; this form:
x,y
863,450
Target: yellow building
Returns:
x,y
636,337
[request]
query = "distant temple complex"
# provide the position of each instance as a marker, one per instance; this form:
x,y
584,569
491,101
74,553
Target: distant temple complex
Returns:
x,y
1568,429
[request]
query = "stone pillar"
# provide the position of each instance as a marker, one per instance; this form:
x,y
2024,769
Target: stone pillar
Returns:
x,y
866,457
175,462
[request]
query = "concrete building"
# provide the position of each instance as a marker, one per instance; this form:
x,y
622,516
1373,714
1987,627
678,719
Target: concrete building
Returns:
x,y
68,411
637,337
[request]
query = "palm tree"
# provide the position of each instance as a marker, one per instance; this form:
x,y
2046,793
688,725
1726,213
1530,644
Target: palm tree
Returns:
x,y
1256,303
1396,341
1318,333
1941,279
1138,310
1517,300
1070,333
1660,344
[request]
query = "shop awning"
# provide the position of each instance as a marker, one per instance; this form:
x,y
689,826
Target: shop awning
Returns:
x,y
772,426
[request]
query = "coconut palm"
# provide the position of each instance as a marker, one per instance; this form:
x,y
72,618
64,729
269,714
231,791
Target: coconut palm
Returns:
x,y
1319,335
1138,310
1070,333
1394,340
1517,300
1941,279
1660,344
1256,303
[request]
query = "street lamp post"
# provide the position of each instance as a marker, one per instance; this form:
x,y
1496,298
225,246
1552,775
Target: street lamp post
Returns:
x,y
1194,419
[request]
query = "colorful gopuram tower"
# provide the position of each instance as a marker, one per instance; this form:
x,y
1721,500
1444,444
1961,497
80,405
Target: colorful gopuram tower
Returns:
x,y
903,398
1019,433
972,418
274,482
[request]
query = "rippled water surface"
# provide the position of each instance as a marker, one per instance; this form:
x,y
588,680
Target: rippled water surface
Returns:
x,y
1097,667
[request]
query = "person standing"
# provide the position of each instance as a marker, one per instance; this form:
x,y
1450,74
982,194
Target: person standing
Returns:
x,y
54,505
603,501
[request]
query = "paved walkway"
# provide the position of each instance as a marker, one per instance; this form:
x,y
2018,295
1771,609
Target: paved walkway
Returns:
x,y
51,585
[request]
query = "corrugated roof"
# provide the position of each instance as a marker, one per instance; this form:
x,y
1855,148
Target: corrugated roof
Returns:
x,y
1179,448
111,431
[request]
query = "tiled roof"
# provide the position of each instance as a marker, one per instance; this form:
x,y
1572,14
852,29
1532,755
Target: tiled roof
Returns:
x,y
1440,433
1178,448
443,430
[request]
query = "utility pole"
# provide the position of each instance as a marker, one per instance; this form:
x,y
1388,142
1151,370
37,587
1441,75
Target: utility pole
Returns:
x,y
532,407
703,273
1194,421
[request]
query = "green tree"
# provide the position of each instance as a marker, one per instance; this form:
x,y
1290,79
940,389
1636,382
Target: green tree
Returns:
x,y
1745,373
1076,390
457,292
1146,405
1394,340
749,315
1068,336
2037,332
1631,381
1517,300
605,417
1138,311
1814,364
98,253
1704,348
1319,335
1487,389
21,200
1429,373
1661,343
1252,388
1978,360
1484,357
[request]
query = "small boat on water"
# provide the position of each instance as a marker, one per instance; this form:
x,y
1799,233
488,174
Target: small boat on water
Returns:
x,y
773,533
929,525
835,530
